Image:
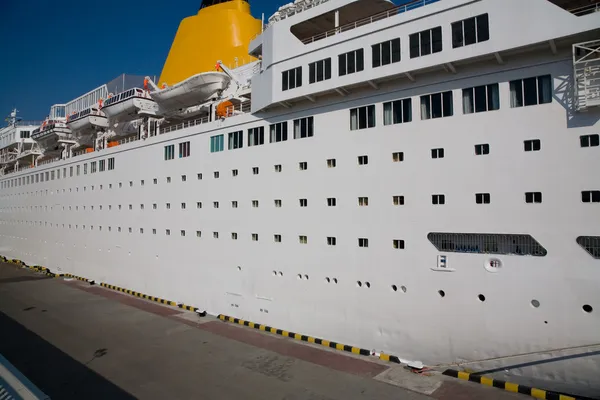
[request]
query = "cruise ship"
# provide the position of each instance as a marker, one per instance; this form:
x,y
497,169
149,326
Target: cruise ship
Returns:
x,y
413,179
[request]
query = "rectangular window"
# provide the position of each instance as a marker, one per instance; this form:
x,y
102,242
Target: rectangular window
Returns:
x,y
319,70
303,165
93,167
170,152
589,140
482,198
85,170
184,149
590,196
255,203
481,98
255,237
291,79
277,203
236,140
256,136
331,202
363,242
198,204
397,112
351,62
111,163
331,163
303,239
216,174
386,53
331,241
183,206
398,156
531,91
425,42
215,204
398,200
278,132
482,149
437,105
533,197
234,204
101,165
278,168
533,145
233,236
234,172
303,202
437,153
304,127
215,235
199,234
363,201
277,238
398,244
363,160
216,143
438,199
362,117
255,170
70,171
470,31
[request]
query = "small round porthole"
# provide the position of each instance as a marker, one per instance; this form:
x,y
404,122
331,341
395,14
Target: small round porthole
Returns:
x,y
441,293
394,288
587,308
481,298
535,303
493,265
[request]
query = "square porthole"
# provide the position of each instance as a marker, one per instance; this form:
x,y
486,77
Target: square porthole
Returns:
x,y
398,200
198,234
398,244
215,235
168,179
278,168
234,172
331,163
277,238
255,170
183,178
234,236
199,176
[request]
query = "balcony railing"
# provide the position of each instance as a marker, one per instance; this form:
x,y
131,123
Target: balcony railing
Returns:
x,y
369,20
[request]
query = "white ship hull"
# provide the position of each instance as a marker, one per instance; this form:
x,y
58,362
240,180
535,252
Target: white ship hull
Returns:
x,y
257,244
192,91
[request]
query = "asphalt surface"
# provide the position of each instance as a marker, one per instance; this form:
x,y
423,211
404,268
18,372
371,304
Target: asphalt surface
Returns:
x,y
76,341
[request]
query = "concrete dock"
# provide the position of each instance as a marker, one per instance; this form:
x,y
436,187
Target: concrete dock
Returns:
x,y
77,341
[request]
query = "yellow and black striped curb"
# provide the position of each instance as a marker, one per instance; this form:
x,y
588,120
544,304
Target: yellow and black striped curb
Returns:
x,y
297,336
390,358
511,387
143,296
77,277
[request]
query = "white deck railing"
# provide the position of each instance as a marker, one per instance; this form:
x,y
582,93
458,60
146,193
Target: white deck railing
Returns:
x,y
369,20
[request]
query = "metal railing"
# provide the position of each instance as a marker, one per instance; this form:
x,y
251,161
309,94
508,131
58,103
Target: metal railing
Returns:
x,y
585,10
369,20
242,108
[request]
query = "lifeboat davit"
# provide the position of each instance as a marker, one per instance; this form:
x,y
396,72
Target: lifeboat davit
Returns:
x,y
129,105
193,91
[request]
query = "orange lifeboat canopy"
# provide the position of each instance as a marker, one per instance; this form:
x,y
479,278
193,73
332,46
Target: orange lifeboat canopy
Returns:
x,y
224,109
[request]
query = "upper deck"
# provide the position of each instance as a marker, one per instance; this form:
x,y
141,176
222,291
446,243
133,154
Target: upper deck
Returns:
x,y
364,43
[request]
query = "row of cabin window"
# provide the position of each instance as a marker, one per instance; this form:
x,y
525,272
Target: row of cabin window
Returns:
x,y
236,138
523,92
184,150
278,132
465,32
587,196
56,174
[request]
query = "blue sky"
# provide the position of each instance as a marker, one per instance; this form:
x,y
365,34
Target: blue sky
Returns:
x,y
53,51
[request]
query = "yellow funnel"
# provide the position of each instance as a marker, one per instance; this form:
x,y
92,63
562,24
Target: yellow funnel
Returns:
x,y
218,32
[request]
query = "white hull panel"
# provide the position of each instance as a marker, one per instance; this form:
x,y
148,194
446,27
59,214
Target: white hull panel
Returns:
x,y
193,91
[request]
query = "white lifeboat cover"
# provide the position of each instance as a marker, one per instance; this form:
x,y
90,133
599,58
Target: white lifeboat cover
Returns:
x,y
195,90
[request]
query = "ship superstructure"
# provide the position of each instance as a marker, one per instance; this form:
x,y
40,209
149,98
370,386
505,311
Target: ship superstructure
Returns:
x,y
416,179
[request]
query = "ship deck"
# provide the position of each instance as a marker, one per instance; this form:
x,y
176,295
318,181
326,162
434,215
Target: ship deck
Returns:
x,y
75,341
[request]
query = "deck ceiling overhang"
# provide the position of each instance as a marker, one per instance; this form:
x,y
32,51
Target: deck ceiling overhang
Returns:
x,y
349,13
